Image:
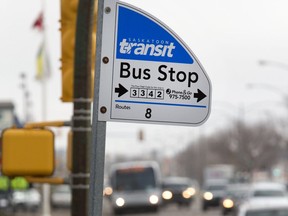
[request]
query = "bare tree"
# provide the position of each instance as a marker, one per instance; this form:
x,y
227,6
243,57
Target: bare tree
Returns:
x,y
248,147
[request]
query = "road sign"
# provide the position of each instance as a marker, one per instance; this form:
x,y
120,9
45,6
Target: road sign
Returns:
x,y
148,74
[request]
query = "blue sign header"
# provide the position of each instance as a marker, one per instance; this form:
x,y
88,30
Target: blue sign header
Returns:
x,y
140,37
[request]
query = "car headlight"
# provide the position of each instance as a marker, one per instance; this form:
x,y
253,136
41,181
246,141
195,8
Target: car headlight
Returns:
x,y
120,202
208,196
153,199
3,202
188,193
191,191
108,191
228,203
167,195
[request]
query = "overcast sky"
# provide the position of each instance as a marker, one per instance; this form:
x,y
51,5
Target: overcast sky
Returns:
x,y
229,38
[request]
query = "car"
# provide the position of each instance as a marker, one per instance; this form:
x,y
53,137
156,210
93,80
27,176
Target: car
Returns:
x,y
28,199
235,194
259,206
61,196
136,186
5,199
268,189
212,194
179,190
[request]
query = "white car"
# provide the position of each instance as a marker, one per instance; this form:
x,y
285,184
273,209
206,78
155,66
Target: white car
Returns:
x,y
276,206
268,189
29,199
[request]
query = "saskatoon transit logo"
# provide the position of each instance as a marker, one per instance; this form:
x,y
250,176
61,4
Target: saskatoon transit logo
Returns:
x,y
146,47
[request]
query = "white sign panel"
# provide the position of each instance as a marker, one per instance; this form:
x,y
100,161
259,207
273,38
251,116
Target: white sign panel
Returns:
x,y
148,74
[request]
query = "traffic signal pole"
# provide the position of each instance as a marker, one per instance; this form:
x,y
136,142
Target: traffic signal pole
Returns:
x,y
81,120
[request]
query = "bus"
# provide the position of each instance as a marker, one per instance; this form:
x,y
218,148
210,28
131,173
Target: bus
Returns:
x,y
136,186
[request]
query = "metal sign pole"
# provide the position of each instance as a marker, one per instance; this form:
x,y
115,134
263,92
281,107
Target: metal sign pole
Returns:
x,y
97,162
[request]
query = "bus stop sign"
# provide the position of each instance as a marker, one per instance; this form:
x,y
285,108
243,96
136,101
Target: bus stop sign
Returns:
x,y
148,74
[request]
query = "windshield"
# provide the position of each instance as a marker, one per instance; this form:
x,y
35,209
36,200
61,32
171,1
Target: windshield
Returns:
x,y
280,212
216,187
4,193
268,193
135,179
175,186
238,193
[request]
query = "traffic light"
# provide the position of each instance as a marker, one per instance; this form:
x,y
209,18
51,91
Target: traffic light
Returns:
x,y
68,20
19,183
68,33
27,152
4,183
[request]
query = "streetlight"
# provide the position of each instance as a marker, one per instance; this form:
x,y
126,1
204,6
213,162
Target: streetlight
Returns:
x,y
239,112
273,63
271,88
276,91
281,65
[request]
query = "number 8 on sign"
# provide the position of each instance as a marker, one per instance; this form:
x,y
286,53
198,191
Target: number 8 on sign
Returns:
x,y
148,113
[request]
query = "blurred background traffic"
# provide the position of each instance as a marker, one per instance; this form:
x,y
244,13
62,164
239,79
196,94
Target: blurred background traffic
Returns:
x,y
140,188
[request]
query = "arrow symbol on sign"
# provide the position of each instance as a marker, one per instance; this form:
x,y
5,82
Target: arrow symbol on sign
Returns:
x,y
199,95
121,90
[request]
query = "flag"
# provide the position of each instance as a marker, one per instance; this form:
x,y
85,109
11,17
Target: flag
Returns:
x,y
38,24
42,61
39,63
42,64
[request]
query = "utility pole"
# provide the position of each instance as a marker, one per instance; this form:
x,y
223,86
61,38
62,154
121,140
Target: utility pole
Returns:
x,y
82,109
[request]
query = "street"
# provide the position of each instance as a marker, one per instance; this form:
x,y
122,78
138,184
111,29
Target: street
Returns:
x,y
171,210
174,210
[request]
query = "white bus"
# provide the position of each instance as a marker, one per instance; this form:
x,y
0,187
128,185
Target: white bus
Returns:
x,y
136,186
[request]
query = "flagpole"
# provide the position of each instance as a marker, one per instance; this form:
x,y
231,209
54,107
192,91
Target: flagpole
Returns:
x,y
46,208
42,73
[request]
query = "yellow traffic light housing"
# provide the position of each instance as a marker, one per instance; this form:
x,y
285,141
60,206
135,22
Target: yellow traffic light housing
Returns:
x,y
68,32
27,152
68,20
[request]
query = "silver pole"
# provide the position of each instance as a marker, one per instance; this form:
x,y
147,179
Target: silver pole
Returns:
x,y
97,162
46,208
